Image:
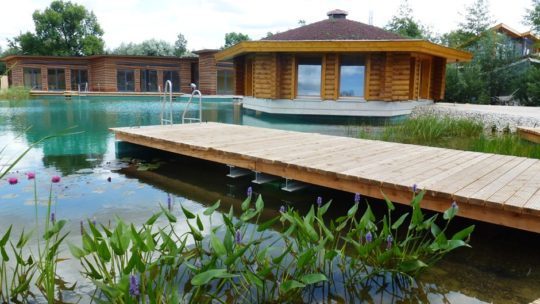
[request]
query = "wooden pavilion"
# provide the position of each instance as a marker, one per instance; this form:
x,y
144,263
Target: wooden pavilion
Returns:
x,y
341,60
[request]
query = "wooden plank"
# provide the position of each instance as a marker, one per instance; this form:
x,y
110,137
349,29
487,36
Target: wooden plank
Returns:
x,y
503,190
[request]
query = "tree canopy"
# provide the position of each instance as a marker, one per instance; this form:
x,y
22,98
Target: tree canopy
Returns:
x,y
477,18
151,47
180,45
62,29
404,24
233,38
532,17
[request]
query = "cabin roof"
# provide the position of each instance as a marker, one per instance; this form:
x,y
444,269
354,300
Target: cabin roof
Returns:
x,y
340,46
514,33
338,34
336,29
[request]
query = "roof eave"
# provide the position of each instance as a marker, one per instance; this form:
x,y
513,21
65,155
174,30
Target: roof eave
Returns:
x,y
302,46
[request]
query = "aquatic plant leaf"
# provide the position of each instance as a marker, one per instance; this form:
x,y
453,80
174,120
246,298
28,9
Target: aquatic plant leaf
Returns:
x,y
290,284
267,224
217,245
411,266
77,252
199,223
450,213
5,238
463,234
259,204
103,251
207,276
153,218
211,209
313,278
400,221
252,278
389,203
245,203
188,214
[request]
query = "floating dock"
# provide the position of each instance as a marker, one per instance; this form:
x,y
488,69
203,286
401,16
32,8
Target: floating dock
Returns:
x,y
503,190
530,134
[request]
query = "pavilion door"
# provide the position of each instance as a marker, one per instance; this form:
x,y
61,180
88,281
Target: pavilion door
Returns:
x,y
249,78
425,78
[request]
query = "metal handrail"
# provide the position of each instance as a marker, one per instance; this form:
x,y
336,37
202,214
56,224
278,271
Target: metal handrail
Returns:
x,y
166,104
194,93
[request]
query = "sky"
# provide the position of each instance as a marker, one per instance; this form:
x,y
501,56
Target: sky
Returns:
x,y
205,22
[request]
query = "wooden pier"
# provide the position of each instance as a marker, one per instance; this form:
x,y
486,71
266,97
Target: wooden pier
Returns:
x,y
504,190
530,134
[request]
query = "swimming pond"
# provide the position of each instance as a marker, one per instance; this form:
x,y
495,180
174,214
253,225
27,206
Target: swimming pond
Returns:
x,y
501,267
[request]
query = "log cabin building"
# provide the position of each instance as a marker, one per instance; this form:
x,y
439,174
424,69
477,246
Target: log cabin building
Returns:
x,y
339,67
102,73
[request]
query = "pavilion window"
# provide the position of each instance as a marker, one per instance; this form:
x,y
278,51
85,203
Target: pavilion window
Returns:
x,y
352,76
225,82
149,82
125,80
174,77
56,79
309,76
32,78
79,80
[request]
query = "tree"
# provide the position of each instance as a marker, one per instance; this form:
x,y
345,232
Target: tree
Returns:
x,y
301,22
404,24
233,38
63,29
151,47
533,16
477,19
180,45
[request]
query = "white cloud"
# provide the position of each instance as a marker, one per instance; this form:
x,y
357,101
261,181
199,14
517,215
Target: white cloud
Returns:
x,y
205,22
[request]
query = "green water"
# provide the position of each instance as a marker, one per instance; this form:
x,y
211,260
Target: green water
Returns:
x,y
502,267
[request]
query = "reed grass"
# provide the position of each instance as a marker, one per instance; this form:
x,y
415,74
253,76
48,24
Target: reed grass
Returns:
x,y
15,93
454,133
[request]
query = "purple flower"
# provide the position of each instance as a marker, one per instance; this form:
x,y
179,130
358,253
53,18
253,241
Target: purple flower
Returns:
x,y
238,237
134,286
198,264
53,218
94,221
249,191
369,237
13,180
30,175
357,198
414,188
55,179
319,201
455,205
282,209
109,179
389,240
82,228
169,202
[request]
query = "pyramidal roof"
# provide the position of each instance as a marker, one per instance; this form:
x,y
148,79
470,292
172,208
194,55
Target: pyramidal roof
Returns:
x,y
336,27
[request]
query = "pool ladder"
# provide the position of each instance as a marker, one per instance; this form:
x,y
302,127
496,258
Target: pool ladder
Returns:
x,y
194,93
166,115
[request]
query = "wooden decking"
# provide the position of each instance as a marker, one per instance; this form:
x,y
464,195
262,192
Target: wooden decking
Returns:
x,y
503,190
530,134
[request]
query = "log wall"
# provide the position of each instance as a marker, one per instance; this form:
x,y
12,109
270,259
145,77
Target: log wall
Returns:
x,y
389,76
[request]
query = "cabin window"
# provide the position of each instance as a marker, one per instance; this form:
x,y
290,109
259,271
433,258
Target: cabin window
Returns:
x,y
195,73
174,77
225,82
309,76
32,78
56,79
125,81
352,76
79,80
149,81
